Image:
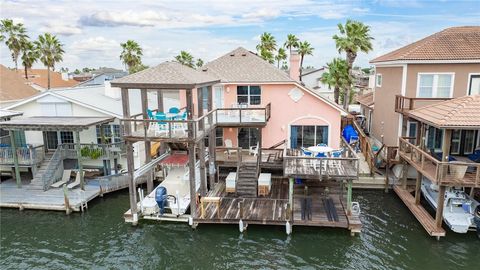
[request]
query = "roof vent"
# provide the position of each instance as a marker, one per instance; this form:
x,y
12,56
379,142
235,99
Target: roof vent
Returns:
x,y
232,54
204,68
244,54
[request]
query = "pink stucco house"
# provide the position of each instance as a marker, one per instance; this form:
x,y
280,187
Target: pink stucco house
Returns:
x,y
298,115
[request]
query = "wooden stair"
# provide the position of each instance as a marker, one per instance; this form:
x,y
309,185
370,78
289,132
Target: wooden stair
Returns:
x,y
37,181
419,212
247,180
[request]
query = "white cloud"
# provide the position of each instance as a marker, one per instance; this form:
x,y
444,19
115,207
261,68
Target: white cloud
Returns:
x,y
61,29
131,18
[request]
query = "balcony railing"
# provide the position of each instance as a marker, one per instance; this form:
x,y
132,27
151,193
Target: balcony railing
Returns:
x,y
27,155
298,165
194,129
404,104
90,151
440,172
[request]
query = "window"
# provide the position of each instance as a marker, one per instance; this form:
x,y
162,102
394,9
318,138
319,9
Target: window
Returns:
x,y
218,96
249,94
219,136
469,142
111,134
378,80
247,137
305,136
435,85
412,130
66,137
474,84
434,138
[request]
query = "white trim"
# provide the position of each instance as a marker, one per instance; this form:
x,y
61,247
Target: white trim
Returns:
x,y
435,82
399,62
65,98
329,125
469,80
376,80
404,79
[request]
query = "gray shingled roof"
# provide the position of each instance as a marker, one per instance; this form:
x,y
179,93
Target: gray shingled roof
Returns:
x,y
242,65
165,75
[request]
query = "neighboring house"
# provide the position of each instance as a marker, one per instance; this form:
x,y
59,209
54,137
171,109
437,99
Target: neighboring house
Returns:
x,y
366,109
441,66
312,80
13,88
99,101
39,79
99,76
299,115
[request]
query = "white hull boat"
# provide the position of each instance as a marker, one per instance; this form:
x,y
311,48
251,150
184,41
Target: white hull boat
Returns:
x,y
459,208
176,187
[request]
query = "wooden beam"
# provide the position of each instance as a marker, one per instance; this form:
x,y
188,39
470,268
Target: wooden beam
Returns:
x,y
290,191
191,176
440,205
79,160
211,157
148,145
259,153
15,158
130,160
404,174
418,186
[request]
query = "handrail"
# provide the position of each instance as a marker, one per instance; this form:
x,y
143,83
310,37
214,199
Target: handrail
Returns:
x,y
365,147
277,144
54,169
404,104
442,170
27,155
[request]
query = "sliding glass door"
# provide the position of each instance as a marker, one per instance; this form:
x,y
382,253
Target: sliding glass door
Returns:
x,y
305,136
247,137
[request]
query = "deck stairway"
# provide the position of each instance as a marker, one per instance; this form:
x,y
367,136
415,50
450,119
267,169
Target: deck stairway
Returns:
x,y
247,180
37,182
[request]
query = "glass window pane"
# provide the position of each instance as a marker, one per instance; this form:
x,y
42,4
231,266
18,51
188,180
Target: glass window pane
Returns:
x,y
255,100
425,92
425,88
66,136
242,90
242,100
308,136
322,135
475,85
426,80
469,141
255,90
295,137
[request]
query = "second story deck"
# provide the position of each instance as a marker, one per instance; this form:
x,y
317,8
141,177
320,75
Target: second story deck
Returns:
x,y
405,104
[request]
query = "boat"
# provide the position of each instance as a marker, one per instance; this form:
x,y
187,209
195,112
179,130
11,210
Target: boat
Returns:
x,y
172,196
459,208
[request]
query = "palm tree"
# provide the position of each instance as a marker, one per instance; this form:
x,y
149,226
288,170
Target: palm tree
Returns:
x,y
131,55
199,63
292,42
281,55
267,47
354,37
50,51
15,36
337,77
304,48
29,56
185,58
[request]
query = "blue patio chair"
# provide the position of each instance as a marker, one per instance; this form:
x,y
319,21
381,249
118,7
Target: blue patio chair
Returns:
x,y
174,110
150,114
306,152
475,157
338,153
320,155
161,126
322,144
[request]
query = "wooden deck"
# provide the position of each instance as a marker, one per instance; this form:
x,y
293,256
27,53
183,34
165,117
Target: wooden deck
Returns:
x,y
322,214
419,212
269,158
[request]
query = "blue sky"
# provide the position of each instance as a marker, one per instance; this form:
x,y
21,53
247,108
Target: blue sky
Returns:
x,y
91,30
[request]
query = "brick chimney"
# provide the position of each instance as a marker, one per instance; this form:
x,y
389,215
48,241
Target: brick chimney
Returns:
x,y
295,65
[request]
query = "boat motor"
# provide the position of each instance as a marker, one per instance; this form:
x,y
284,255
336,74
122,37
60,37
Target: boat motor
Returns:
x,y
161,198
476,218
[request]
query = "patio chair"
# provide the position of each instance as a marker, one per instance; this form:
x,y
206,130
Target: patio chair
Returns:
x,y
253,150
174,110
306,152
320,155
76,182
229,144
161,127
475,157
151,116
65,178
322,144
337,153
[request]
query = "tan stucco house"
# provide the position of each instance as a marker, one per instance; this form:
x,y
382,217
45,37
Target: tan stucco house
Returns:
x,y
441,66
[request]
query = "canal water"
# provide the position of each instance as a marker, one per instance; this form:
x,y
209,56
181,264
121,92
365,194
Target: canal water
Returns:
x,y
99,239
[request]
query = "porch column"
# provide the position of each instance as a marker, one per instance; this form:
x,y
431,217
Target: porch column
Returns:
x,y
440,204
15,159
421,142
447,137
102,142
129,152
290,192
200,107
259,154
148,145
191,153
203,175
211,140
79,159
160,101
349,197
418,186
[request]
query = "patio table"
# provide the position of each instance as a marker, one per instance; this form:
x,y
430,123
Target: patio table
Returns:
x,y
320,149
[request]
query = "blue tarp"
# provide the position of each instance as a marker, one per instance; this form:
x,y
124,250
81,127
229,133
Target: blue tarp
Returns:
x,y
349,133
